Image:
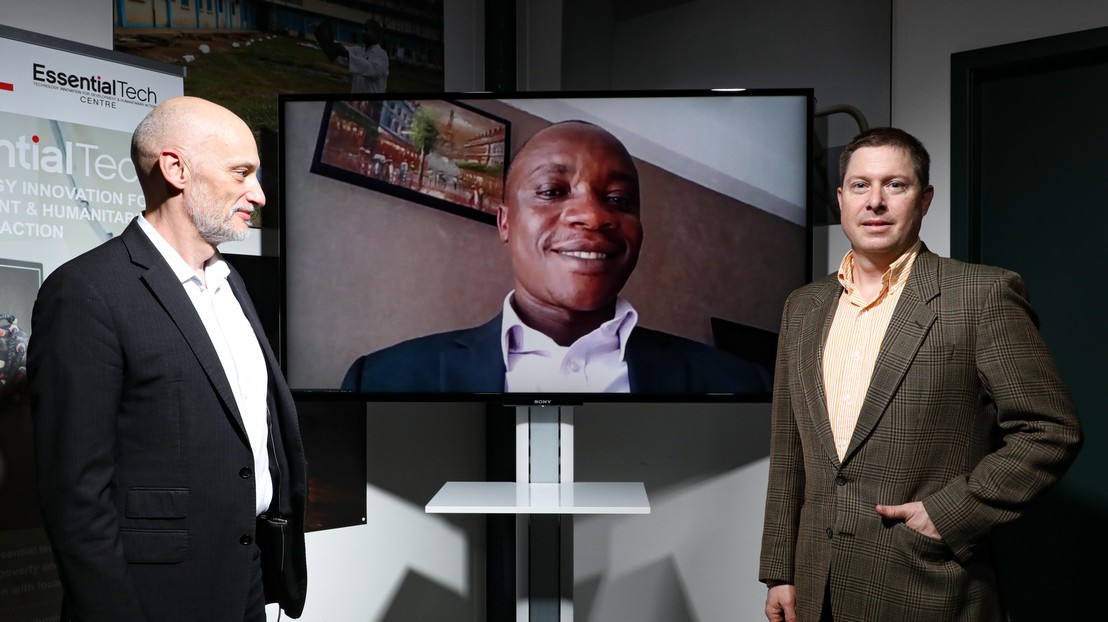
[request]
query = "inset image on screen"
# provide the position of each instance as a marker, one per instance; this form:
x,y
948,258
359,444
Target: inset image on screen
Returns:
x,y
600,247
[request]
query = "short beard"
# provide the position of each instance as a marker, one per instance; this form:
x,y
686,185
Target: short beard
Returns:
x,y
213,225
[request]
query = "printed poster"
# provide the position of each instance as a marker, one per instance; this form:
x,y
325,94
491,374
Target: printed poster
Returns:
x,y
67,184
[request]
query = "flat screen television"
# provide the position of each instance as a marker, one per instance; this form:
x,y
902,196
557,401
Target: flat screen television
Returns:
x,y
389,234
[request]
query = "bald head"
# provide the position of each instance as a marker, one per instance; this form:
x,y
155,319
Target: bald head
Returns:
x,y
198,166
556,137
185,123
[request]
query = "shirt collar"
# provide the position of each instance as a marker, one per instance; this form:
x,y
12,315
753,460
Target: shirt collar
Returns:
x,y
517,337
894,277
215,269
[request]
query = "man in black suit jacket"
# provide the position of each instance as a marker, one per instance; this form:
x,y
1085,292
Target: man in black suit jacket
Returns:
x,y
166,437
571,221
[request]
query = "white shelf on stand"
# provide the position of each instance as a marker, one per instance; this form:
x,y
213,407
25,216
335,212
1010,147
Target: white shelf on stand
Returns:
x,y
517,498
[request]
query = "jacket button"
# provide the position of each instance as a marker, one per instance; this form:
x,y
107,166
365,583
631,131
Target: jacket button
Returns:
x,y
841,480
246,473
830,533
248,540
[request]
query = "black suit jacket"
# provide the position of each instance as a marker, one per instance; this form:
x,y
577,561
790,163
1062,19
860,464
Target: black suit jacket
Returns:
x,y
145,471
470,361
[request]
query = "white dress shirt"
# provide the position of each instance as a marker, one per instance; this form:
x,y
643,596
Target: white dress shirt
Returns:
x,y
595,363
237,347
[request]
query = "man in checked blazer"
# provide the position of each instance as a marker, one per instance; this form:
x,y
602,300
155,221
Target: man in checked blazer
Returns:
x,y
915,408
168,450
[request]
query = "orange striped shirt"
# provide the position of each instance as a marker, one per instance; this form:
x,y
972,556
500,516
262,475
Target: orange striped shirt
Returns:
x,y
857,331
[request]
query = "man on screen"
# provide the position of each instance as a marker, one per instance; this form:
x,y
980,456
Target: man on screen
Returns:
x,y
570,219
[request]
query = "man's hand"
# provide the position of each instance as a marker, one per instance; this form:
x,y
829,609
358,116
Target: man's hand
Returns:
x,y
914,516
781,603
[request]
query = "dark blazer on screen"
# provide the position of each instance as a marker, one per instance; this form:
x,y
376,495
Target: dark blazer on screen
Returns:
x,y
966,412
471,361
145,471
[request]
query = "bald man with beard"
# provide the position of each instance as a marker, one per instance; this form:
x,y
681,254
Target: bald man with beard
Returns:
x,y
169,457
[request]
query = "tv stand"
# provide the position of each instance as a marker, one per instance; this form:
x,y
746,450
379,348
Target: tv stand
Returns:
x,y
544,497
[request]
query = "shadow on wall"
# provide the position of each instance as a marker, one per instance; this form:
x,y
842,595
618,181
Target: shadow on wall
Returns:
x,y
668,445
420,598
412,450
653,592
705,469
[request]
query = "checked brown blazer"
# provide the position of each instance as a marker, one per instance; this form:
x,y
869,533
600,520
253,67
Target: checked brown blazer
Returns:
x,y
966,412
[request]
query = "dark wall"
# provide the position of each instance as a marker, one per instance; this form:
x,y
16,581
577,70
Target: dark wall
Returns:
x,y
1034,188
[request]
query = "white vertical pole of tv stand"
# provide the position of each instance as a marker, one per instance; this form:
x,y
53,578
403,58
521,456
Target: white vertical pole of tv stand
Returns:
x,y
544,542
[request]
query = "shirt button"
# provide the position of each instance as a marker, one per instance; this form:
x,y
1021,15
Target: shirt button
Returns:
x,y
847,398
246,472
830,533
574,367
248,540
840,480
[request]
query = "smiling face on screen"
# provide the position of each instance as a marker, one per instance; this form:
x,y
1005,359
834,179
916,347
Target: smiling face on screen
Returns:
x,y
571,221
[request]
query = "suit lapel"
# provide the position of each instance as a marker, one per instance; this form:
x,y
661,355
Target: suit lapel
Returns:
x,y
908,327
167,289
813,334
477,364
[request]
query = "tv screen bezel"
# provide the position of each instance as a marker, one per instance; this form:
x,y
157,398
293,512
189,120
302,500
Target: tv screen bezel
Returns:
x,y
528,399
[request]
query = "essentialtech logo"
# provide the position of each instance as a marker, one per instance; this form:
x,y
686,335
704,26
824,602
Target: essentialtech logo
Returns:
x,y
93,84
